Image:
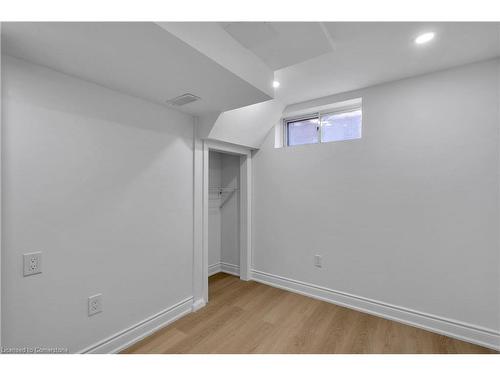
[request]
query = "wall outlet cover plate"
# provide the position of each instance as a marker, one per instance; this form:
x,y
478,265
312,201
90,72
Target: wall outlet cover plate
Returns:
x,y
95,304
32,263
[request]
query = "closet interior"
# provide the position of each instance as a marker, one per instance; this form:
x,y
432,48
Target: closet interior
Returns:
x,y
224,213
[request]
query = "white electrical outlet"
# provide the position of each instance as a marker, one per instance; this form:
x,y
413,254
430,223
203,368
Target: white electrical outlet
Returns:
x,y
95,304
317,261
32,263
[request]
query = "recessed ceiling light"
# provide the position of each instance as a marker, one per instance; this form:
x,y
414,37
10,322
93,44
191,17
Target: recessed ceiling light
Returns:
x,y
276,84
424,38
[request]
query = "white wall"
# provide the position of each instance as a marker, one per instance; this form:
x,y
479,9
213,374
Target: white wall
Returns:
x,y
102,184
409,214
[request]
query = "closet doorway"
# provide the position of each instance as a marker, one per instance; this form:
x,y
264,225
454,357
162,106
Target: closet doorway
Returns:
x,y
223,213
226,207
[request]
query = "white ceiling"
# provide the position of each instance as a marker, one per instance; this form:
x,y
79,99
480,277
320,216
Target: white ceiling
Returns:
x,y
281,44
366,54
310,59
212,40
140,59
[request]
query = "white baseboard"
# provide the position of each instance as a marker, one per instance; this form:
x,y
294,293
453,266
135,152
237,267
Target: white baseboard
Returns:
x,y
198,304
448,327
232,269
131,335
214,268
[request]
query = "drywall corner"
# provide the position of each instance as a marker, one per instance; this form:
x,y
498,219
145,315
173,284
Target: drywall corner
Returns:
x,y
247,126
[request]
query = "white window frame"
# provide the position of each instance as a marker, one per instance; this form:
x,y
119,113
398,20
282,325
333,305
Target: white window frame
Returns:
x,y
318,115
309,116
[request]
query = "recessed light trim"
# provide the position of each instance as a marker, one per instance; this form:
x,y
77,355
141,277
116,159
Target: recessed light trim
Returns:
x,y
276,84
424,38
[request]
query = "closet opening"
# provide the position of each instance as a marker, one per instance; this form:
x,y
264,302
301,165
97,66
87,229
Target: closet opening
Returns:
x,y
223,213
226,224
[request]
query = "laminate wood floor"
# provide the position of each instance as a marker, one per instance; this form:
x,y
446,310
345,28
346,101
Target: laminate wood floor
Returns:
x,y
249,317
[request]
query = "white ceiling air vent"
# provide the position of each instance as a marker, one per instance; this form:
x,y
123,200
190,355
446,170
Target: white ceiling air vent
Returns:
x,y
183,99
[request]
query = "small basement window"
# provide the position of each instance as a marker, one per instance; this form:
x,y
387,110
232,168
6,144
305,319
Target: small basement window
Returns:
x,y
335,125
302,132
